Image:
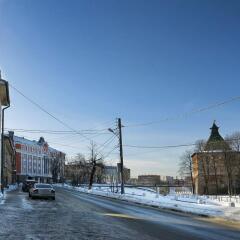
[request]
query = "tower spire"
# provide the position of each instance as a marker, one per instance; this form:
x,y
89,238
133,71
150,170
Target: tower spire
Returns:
x,y
216,141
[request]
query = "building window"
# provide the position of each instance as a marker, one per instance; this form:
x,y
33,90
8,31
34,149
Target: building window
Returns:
x,y
24,157
34,164
39,165
30,163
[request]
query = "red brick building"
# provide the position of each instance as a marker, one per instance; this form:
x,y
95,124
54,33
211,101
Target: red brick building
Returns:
x,y
37,160
216,167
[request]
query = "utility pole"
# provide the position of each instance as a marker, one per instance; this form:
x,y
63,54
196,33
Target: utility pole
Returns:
x,y
121,155
119,135
93,163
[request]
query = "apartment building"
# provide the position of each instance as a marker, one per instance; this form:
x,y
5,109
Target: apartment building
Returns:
x,y
37,160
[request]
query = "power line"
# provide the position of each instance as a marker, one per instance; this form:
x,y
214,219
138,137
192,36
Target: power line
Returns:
x,y
106,143
57,119
110,152
48,113
176,146
37,131
51,115
64,145
163,147
186,114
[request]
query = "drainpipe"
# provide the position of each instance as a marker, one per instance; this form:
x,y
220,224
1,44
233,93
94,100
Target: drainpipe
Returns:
x,y
3,148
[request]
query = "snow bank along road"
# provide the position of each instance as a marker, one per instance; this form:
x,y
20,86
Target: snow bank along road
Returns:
x,y
77,215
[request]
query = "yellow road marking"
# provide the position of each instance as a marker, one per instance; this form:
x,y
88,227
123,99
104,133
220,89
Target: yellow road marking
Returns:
x,y
118,215
222,222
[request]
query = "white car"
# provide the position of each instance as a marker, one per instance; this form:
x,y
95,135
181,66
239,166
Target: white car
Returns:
x,y
42,190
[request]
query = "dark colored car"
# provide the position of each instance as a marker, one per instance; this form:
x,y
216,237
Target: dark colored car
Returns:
x,y
28,184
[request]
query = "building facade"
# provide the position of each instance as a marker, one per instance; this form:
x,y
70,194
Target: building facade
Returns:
x,y
216,167
36,160
110,174
4,103
9,164
126,173
167,180
149,179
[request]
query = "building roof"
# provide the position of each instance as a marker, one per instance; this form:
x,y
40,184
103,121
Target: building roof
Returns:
x,y
216,141
8,139
26,141
110,167
23,140
4,92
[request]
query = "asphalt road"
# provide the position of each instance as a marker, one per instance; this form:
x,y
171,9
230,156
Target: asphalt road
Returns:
x,y
80,216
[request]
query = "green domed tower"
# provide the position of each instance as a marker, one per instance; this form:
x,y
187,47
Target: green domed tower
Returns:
x,y
216,141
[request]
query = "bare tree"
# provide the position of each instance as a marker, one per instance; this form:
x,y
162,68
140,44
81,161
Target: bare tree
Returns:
x,y
77,169
229,169
100,172
232,162
55,168
81,168
234,141
200,145
214,165
186,167
204,163
96,161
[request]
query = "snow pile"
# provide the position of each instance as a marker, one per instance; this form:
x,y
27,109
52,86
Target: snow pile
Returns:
x,y
11,187
201,205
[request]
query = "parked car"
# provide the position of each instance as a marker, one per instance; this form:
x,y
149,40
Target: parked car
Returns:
x,y
42,190
28,184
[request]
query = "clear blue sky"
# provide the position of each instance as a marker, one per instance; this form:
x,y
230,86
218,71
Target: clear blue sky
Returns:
x,y
88,62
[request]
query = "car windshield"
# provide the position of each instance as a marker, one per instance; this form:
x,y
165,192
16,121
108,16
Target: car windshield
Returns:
x,y
43,186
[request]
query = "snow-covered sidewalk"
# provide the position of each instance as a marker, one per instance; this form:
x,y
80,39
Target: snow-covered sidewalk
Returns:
x,y
200,205
10,188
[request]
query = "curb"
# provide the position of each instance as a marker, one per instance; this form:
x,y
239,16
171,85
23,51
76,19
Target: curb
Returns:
x,y
144,204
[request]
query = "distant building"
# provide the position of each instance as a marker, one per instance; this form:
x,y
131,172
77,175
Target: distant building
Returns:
x,y
179,182
36,160
110,174
126,173
216,167
133,181
188,181
78,172
167,179
149,179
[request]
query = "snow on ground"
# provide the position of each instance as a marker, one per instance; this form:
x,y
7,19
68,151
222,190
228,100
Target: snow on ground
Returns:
x,y
202,205
11,188
8,189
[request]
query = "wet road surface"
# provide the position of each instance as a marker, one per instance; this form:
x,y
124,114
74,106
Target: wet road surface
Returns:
x,y
76,215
